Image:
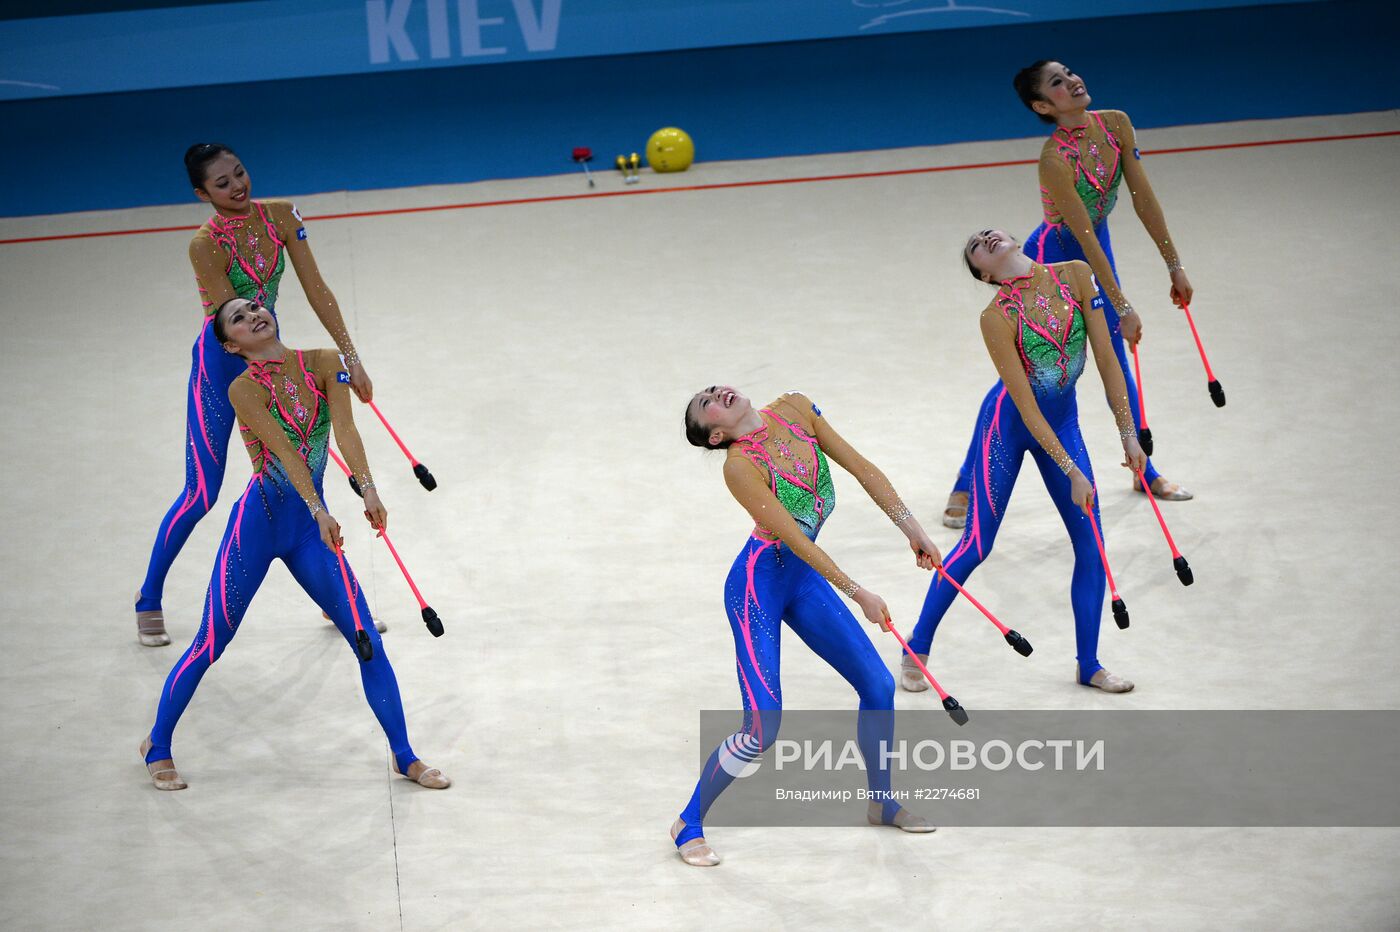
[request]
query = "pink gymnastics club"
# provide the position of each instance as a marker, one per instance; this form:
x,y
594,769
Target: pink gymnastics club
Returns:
x,y
430,617
958,713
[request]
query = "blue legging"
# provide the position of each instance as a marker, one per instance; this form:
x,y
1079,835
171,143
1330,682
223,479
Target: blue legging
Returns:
x,y
208,425
1057,244
270,521
768,585
1002,440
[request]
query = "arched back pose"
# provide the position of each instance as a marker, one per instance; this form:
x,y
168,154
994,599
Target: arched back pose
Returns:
x,y
1037,330
240,252
287,403
1082,165
776,466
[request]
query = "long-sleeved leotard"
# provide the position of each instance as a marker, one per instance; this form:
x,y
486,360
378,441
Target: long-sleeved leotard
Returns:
x,y
1036,330
1081,170
781,475
286,409
241,257
231,257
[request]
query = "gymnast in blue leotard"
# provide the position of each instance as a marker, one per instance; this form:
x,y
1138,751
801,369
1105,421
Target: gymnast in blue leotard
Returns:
x,y
776,466
242,251
287,403
1082,165
1037,329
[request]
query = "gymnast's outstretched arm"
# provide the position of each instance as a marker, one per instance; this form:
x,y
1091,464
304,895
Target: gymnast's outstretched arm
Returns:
x,y
347,437
1101,342
211,272
749,487
875,483
1149,211
318,293
1057,178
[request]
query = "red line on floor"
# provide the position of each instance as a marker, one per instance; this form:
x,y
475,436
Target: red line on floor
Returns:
x,y
851,176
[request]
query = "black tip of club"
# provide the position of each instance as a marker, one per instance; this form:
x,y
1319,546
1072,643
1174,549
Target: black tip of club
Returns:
x,y
1120,613
1183,571
1217,394
957,712
1022,646
363,647
355,487
1145,440
431,619
425,477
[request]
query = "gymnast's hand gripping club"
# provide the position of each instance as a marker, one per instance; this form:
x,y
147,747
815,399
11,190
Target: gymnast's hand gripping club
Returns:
x,y
1217,394
1183,569
419,470
430,617
1144,432
362,645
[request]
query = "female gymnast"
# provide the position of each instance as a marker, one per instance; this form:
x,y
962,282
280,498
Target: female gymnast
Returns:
x,y
1086,158
1036,329
776,466
287,403
241,251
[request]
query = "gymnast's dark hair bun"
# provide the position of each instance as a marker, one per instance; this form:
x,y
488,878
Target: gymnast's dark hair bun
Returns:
x,y
1027,84
198,157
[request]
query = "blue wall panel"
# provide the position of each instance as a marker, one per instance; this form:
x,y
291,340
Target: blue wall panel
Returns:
x,y
465,124
170,46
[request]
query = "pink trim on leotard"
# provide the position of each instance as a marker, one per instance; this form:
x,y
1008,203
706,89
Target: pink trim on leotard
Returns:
x,y
200,490
259,372
995,426
974,525
756,719
802,435
1067,147
751,446
209,642
309,379
1009,298
221,231
202,379
745,625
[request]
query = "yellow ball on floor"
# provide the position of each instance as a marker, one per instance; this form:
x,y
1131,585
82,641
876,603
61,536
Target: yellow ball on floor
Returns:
x,y
670,150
